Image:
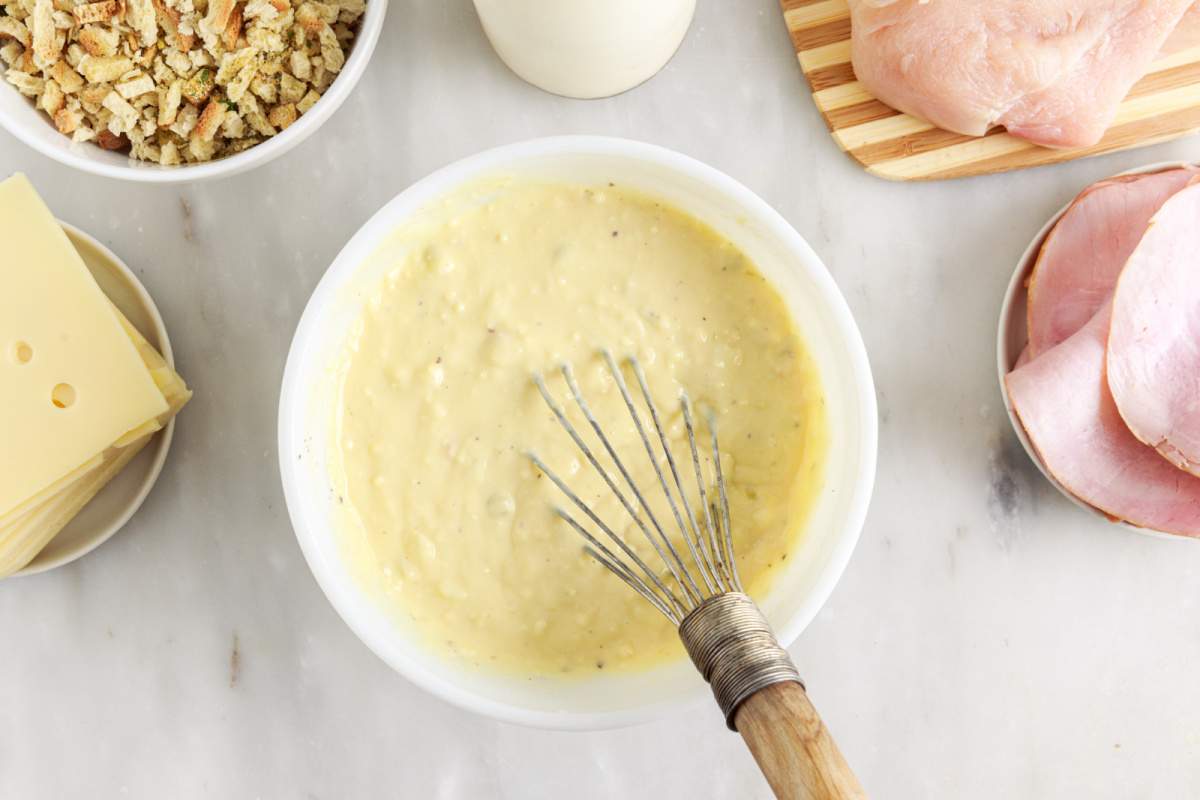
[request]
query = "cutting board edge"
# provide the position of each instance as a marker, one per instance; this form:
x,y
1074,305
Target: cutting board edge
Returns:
x,y
879,169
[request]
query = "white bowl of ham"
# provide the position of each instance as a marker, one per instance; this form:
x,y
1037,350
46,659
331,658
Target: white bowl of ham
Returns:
x,y
1099,349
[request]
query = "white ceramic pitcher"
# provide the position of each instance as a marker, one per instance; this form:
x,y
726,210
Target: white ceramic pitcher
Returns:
x,y
586,48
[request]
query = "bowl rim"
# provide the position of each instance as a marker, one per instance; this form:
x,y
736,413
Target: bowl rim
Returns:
x,y
144,172
1006,360
162,440
291,410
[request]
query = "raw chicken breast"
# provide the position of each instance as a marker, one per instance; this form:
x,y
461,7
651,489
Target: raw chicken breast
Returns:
x,y
1050,71
1065,406
1154,342
1084,253
1187,35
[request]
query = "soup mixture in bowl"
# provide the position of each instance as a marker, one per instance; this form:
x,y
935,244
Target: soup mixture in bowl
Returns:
x,y
444,517
409,409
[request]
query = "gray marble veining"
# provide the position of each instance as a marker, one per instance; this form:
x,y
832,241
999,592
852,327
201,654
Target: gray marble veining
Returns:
x,y
989,640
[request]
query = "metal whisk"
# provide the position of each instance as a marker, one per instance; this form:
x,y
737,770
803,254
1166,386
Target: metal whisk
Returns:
x,y
727,637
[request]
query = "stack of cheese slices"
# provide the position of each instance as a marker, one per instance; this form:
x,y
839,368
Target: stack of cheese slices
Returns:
x,y
81,391
1108,388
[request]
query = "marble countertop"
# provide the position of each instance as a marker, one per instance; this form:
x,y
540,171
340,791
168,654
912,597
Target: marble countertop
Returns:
x,y
989,640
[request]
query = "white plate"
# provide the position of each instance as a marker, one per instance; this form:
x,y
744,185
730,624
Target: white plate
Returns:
x,y
112,507
308,401
1013,334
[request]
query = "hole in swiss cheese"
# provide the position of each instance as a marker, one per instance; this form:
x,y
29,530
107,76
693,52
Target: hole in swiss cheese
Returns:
x,y
63,395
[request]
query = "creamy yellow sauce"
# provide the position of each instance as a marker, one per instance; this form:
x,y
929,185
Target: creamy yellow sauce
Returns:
x,y
448,520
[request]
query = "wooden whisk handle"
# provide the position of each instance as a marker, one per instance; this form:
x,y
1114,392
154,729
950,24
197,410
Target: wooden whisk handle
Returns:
x,y
793,747
760,692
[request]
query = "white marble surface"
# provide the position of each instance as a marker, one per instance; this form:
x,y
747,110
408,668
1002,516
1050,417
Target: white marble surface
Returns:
x,y
989,640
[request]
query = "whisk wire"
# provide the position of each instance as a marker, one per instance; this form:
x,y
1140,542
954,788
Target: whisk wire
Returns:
x,y
696,595
711,549
641,585
690,589
693,540
710,532
725,634
688,601
606,557
731,561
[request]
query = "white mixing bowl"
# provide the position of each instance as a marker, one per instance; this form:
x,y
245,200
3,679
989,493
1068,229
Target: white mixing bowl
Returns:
x,y
307,411
19,117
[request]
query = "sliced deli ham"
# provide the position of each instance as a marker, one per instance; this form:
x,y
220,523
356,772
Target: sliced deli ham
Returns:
x,y
1065,406
1154,342
1084,253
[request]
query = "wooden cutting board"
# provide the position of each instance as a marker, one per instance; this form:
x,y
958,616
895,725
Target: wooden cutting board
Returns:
x,y
1163,105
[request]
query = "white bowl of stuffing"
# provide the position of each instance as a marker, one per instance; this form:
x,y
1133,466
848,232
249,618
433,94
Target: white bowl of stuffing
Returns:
x,y
167,91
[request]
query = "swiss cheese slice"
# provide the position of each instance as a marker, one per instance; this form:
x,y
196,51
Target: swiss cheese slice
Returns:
x,y
23,538
72,381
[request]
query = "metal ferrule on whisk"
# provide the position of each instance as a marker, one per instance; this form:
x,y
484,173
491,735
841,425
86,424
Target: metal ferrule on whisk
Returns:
x,y
724,632
734,648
